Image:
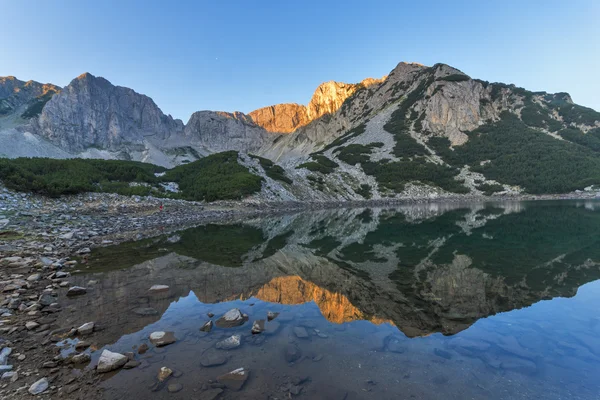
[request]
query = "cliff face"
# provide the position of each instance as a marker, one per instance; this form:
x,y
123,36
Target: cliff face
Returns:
x,y
327,99
220,131
91,112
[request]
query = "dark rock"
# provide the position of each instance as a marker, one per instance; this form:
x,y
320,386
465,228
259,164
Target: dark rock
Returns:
x,y
174,387
143,348
271,315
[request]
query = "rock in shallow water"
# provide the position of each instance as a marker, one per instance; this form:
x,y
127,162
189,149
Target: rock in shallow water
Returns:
x,y
231,342
161,338
39,386
258,326
164,373
213,360
174,387
235,379
110,361
292,353
232,318
207,327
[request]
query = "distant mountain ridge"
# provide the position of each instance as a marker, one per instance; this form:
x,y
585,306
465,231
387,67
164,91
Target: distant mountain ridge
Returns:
x,y
420,131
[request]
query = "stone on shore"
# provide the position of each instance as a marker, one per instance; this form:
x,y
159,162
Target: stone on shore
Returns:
x,y
109,361
76,291
82,358
86,329
39,386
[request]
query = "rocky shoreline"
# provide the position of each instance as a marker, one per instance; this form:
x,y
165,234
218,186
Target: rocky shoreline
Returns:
x,y
42,241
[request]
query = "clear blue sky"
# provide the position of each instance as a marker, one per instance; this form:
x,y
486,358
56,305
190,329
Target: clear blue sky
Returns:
x,y
241,55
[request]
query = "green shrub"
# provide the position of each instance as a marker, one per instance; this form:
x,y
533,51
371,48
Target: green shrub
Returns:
x,y
490,188
272,170
321,164
356,153
394,175
364,191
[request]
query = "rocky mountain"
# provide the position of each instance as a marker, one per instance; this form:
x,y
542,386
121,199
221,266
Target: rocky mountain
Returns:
x,y
420,131
26,99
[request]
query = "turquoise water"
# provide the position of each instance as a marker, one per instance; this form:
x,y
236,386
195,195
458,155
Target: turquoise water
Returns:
x,y
460,301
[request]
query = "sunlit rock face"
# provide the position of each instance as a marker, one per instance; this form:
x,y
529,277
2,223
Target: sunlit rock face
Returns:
x,y
327,99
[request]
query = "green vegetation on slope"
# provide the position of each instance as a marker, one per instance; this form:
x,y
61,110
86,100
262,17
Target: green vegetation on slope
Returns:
x,y
513,153
52,177
395,175
216,177
35,108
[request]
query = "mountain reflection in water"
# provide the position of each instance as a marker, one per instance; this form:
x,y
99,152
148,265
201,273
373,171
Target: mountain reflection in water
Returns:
x,y
362,282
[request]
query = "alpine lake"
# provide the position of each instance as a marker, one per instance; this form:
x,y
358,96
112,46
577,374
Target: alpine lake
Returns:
x,y
496,300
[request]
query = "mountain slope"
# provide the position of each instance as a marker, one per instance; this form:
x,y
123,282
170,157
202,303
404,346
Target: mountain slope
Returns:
x,y
419,132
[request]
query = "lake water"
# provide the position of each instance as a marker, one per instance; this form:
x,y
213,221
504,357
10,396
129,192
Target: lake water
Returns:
x,y
453,301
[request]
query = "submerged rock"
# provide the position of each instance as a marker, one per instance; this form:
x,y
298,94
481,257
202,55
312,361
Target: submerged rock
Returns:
x,y
110,361
230,343
213,360
232,318
292,353
161,338
174,387
300,332
235,379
